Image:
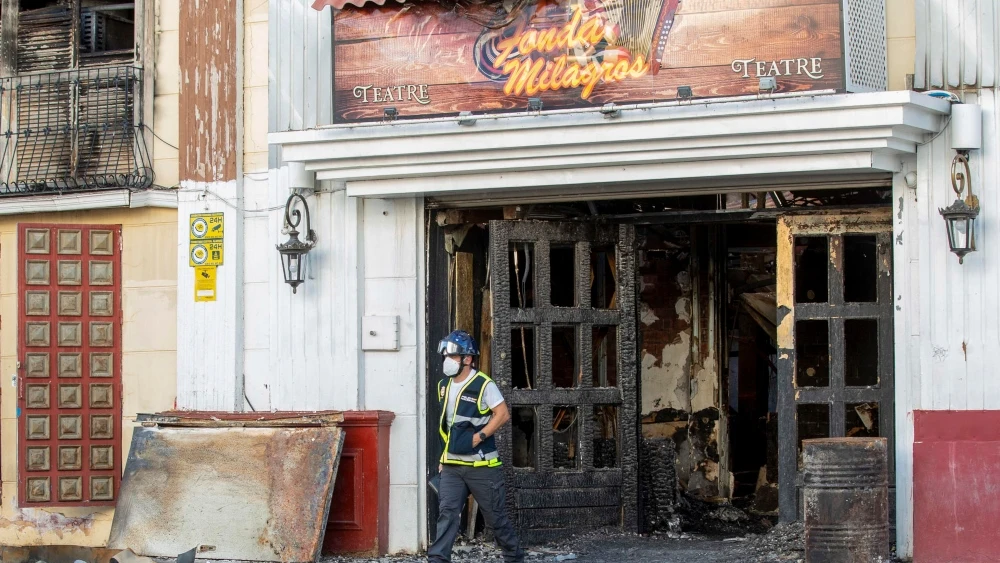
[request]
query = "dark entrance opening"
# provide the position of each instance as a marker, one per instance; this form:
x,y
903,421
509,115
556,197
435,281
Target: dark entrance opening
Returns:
x,y
751,334
638,346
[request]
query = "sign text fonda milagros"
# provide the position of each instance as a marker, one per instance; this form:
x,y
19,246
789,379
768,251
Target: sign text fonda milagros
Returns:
x,y
426,60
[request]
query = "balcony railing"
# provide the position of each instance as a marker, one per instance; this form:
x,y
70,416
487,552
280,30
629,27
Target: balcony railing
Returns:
x,y
74,130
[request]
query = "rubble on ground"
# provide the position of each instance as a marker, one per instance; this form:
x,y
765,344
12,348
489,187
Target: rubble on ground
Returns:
x,y
784,542
718,519
464,551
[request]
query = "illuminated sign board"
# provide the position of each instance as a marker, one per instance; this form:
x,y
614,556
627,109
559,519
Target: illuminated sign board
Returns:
x,y
427,60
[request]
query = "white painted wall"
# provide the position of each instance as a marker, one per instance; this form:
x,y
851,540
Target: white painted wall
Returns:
x,y
209,334
947,323
957,43
302,351
300,64
393,261
948,315
259,347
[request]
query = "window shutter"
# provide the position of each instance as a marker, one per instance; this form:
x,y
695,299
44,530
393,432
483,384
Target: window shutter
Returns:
x,y
45,39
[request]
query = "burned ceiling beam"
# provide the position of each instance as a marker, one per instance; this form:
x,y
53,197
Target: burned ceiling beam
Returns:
x,y
690,217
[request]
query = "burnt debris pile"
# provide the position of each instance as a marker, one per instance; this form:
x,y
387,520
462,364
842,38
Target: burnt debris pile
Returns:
x,y
658,485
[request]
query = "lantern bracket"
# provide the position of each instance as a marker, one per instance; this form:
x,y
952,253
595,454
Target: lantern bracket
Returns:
x,y
961,215
293,218
961,177
294,250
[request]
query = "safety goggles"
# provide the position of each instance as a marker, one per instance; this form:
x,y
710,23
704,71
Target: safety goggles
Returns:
x,y
449,348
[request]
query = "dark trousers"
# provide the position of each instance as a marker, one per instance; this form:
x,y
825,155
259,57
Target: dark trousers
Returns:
x,y
487,486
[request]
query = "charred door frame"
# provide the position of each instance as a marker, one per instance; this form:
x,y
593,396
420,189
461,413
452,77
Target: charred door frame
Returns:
x,y
833,225
438,324
543,315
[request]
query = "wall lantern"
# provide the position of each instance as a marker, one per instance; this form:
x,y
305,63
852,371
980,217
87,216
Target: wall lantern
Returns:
x,y
294,250
961,215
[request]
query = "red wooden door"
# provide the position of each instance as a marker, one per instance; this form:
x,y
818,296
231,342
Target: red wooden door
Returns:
x,y
69,354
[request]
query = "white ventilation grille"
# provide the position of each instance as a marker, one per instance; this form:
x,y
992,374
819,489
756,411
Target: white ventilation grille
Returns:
x,y
864,45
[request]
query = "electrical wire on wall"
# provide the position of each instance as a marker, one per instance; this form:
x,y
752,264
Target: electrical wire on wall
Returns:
x,y
229,203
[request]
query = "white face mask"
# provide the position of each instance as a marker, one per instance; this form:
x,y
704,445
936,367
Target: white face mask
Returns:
x,y
451,367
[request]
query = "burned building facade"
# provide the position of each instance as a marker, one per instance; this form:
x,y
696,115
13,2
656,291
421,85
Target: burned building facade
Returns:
x,y
687,235
681,254
656,268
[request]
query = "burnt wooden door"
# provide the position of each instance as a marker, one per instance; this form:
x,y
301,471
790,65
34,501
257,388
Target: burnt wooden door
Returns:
x,y
835,336
564,355
69,355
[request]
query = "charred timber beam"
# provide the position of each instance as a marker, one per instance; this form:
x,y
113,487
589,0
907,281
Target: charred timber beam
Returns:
x,y
567,498
525,478
688,217
565,315
565,397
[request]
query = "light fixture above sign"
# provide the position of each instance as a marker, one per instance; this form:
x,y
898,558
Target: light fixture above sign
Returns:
x,y
610,110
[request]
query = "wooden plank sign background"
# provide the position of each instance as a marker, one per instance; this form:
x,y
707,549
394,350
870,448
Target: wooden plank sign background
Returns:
x,y
426,60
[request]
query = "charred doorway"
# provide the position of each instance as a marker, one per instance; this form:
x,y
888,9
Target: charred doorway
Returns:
x,y
835,336
552,304
639,347
751,368
563,353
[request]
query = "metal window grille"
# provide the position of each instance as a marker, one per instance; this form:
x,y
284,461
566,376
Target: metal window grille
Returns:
x,y
73,130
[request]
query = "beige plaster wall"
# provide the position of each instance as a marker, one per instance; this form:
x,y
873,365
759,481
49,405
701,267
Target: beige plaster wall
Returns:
x,y
255,106
901,33
166,92
149,354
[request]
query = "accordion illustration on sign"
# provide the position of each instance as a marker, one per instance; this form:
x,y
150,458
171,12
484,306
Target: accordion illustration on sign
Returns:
x,y
629,30
644,26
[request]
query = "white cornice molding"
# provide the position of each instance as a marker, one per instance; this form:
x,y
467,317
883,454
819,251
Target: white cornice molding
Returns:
x,y
838,134
106,199
154,198
16,205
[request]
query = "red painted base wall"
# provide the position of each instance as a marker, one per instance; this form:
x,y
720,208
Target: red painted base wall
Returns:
x,y
956,486
359,510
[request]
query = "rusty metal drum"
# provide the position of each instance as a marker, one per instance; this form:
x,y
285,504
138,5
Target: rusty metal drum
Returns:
x,y
846,497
